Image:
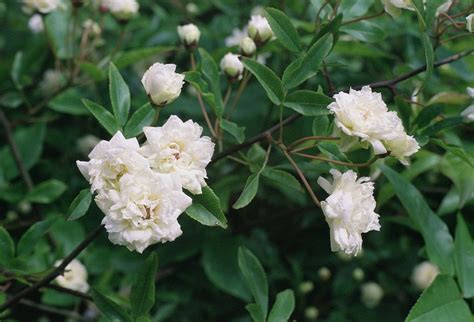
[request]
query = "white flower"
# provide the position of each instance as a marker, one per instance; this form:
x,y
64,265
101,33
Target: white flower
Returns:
x,y
143,210
162,84
469,21
232,66
43,6
74,276
189,34
364,114
92,27
123,10
468,114
52,82
424,274
36,24
110,160
324,273
86,143
444,7
259,29
177,147
236,37
349,210
393,7
372,293
192,8
247,46
470,91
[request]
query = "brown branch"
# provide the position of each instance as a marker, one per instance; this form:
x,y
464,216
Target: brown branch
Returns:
x,y
15,152
381,84
54,273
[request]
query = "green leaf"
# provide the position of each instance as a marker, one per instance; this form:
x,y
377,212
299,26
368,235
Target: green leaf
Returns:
x,y
429,59
206,209
142,117
16,69
211,73
109,308
105,118
219,260
31,237
30,145
119,95
69,102
441,302
249,192
464,258
233,129
283,307
133,56
283,29
47,191
195,79
300,70
79,205
282,178
142,296
419,7
442,125
7,246
426,115
456,150
365,31
57,30
92,70
255,312
321,126
439,245
404,110
308,103
255,277
430,12
461,174
267,78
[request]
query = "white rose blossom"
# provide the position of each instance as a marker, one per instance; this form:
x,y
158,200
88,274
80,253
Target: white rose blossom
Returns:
x,y
364,114
110,160
232,66
36,24
177,147
424,274
371,295
469,22
189,34
259,29
123,10
42,6
74,276
349,210
143,210
162,84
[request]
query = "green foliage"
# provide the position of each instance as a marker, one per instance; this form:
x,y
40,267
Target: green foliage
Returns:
x,y
283,29
142,296
206,209
31,237
79,205
109,308
464,257
105,118
119,95
142,117
47,191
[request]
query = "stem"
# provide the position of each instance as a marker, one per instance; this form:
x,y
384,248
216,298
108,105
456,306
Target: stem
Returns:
x,y
15,152
356,165
50,309
119,43
242,86
364,18
201,103
312,138
227,94
54,273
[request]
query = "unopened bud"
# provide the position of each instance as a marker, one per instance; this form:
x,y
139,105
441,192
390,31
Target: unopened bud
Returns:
x,y
189,35
324,273
306,287
358,274
247,46
311,313
232,66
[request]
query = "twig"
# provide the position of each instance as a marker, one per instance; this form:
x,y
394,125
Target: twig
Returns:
x,y
54,273
50,309
242,86
356,165
380,84
312,138
15,152
364,18
61,289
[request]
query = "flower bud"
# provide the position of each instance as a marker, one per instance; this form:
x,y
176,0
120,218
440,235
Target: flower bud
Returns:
x,y
86,143
311,313
469,21
189,35
372,293
424,274
74,276
192,8
123,10
358,274
324,273
11,215
24,207
42,6
259,29
52,82
36,24
306,287
232,66
92,27
247,46
162,84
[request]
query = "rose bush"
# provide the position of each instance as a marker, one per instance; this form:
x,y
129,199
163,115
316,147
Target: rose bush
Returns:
x,y
236,161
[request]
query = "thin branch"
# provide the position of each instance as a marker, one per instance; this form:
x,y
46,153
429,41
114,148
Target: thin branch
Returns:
x,y
364,18
312,138
75,293
356,165
15,152
54,273
387,83
50,309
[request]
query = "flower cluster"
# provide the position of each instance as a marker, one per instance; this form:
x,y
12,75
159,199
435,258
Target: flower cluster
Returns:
x,y
140,188
364,114
349,210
